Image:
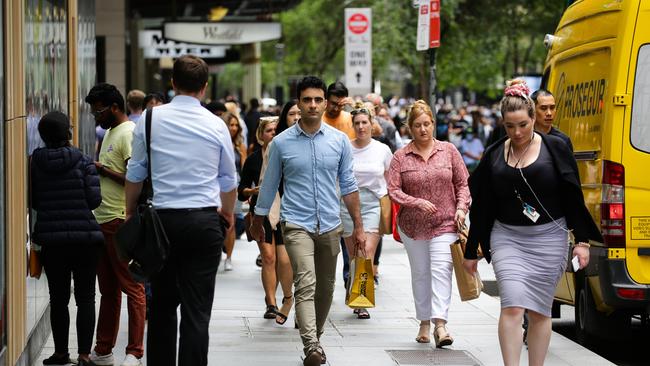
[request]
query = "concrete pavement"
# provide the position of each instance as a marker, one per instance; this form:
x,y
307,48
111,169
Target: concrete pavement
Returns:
x,y
240,336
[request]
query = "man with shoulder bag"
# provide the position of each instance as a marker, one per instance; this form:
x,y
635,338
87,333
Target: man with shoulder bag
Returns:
x,y
194,189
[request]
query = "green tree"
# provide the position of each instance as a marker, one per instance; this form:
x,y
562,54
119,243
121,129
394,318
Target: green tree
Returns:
x,y
484,42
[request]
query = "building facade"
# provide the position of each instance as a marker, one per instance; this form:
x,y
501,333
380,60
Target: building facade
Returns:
x,y
48,59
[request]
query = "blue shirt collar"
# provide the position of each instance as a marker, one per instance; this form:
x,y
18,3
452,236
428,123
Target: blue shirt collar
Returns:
x,y
320,130
186,99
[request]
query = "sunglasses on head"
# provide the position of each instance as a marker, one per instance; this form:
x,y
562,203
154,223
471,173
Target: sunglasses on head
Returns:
x,y
360,110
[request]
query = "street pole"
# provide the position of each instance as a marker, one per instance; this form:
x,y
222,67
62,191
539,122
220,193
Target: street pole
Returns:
x,y
432,77
432,82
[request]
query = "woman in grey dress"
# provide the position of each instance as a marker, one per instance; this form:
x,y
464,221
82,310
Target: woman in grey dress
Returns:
x,y
526,200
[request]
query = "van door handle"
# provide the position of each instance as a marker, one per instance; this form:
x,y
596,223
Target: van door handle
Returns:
x,y
644,252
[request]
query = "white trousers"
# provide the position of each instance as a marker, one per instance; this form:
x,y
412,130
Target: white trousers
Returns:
x,y
431,269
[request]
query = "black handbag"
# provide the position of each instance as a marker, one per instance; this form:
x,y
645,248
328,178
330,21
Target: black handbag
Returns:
x,y
142,240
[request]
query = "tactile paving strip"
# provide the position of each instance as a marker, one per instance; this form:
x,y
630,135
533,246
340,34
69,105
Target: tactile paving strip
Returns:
x,y
433,357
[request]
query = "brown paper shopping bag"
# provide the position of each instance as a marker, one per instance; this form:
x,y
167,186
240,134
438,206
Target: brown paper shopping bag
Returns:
x,y
469,286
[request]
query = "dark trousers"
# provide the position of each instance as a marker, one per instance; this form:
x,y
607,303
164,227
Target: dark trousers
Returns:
x,y
187,279
62,264
378,251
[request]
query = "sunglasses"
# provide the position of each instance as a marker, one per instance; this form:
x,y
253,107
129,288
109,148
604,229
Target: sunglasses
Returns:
x,y
354,112
98,113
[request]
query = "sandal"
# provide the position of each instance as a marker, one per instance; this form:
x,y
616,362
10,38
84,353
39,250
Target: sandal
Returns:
x,y
281,317
424,338
445,340
271,312
363,314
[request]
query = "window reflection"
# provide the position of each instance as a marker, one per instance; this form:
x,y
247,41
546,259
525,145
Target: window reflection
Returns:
x,y
46,82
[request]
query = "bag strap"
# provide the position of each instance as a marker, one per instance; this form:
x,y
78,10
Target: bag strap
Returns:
x,y
148,138
31,202
148,183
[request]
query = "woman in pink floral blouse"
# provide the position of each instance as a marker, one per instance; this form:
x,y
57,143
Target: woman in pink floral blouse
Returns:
x,y
428,179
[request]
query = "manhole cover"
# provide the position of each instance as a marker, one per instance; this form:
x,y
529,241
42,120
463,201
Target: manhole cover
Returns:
x,y
433,357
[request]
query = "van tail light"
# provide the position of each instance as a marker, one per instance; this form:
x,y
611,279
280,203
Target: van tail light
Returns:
x,y
612,208
631,293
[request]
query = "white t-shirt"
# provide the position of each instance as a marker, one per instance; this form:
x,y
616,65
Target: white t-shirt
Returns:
x,y
369,164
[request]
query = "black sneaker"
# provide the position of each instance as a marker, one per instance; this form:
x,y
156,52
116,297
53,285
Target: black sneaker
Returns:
x,y
55,360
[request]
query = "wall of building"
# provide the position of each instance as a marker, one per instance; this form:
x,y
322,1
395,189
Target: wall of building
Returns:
x,y
111,24
47,46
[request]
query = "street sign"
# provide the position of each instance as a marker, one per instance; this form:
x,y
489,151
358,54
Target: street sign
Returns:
x,y
153,45
434,24
422,43
428,32
221,33
358,50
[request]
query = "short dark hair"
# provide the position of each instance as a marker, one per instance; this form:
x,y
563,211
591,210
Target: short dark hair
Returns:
x,y
190,73
216,106
154,96
54,128
310,82
337,89
254,103
540,93
107,95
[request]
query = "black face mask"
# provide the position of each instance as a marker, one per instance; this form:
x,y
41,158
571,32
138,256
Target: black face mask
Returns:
x,y
108,122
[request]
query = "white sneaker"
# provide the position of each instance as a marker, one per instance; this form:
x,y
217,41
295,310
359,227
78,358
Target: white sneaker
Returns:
x,y
104,360
227,266
130,360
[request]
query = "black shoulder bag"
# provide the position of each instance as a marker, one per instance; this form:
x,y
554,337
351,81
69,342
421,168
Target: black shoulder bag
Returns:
x,y
142,240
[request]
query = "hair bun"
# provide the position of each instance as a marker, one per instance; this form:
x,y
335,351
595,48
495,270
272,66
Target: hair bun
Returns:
x,y
517,88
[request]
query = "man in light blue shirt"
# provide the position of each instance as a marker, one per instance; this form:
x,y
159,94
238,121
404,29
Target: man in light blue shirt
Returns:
x,y
194,183
312,156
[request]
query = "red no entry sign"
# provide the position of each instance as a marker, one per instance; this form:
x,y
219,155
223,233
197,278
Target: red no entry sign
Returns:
x,y
358,23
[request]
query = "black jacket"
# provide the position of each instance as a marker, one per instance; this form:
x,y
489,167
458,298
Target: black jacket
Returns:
x,y
482,213
64,191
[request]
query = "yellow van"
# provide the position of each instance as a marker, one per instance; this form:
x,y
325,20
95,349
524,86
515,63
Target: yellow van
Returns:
x,y
598,68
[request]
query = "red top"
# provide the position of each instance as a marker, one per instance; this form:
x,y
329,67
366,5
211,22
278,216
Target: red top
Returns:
x,y
441,180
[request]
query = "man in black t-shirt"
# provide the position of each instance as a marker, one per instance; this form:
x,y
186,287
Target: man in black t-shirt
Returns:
x,y
545,114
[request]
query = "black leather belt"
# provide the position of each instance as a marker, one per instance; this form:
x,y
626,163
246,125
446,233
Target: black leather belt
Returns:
x,y
193,209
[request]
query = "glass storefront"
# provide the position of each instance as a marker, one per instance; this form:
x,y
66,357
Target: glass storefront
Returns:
x,y
86,66
46,84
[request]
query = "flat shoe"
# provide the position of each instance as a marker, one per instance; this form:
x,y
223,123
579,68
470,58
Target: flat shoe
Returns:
x,y
281,317
313,359
271,312
363,314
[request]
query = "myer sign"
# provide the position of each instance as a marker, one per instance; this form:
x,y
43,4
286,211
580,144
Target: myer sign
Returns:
x,y
358,50
222,33
155,46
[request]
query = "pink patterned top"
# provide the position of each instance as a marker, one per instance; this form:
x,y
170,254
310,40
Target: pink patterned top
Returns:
x,y
441,180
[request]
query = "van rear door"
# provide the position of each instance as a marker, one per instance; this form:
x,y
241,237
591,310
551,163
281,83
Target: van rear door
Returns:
x,y
636,153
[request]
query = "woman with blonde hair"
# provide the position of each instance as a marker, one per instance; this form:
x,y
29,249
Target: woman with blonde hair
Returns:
x,y
240,157
428,179
275,260
526,198
371,160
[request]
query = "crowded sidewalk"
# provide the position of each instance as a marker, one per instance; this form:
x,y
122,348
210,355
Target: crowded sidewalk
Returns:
x,y
240,336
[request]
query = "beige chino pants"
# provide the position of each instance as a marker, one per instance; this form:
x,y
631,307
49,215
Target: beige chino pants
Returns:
x,y
313,259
